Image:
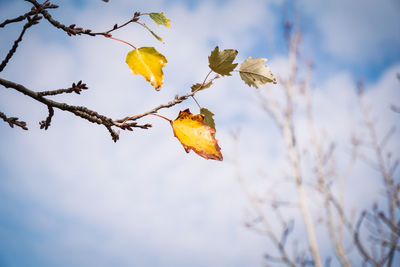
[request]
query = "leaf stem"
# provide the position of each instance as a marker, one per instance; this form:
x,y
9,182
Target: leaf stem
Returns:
x,y
144,114
143,25
153,33
158,115
204,82
38,10
205,79
196,101
108,35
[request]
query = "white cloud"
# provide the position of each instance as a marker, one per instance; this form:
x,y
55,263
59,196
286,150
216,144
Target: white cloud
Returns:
x,y
356,30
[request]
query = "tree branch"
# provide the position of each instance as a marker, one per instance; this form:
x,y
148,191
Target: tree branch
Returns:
x,y
80,111
77,88
17,19
30,23
358,243
177,100
13,121
45,124
393,227
22,17
71,30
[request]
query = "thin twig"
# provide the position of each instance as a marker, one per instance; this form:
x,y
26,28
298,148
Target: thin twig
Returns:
x,y
71,30
22,17
17,19
45,124
172,103
77,88
13,121
359,244
383,168
116,26
177,100
394,228
13,49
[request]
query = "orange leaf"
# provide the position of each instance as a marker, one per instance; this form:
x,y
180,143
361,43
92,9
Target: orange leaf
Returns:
x,y
195,135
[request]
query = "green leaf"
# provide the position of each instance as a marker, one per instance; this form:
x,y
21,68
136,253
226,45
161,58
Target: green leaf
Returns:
x,y
208,117
254,73
200,86
221,61
148,62
154,34
160,19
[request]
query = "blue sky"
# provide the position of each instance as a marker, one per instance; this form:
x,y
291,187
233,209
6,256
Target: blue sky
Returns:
x,y
69,196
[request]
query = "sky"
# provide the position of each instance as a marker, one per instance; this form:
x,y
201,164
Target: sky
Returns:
x,y
70,196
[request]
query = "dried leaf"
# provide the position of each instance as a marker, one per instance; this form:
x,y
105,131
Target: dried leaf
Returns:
x,y
195,135
160,19
208,117
147,62
254,73
221,61
200,86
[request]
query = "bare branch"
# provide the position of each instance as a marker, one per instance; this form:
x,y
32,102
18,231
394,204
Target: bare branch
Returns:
x,y
177,100
22,17
384,169
73,30
80,111
76,88
45,124
358,242
30,22
13,121
17,19
394,228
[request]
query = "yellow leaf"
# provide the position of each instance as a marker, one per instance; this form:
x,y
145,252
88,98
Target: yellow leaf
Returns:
x,y
195,135
147,62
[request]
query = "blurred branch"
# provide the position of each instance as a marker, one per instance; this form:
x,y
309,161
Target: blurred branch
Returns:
x,y
290,140
358,242
320,161
395,108
73,30
279,243
385,168
393,227
24,16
